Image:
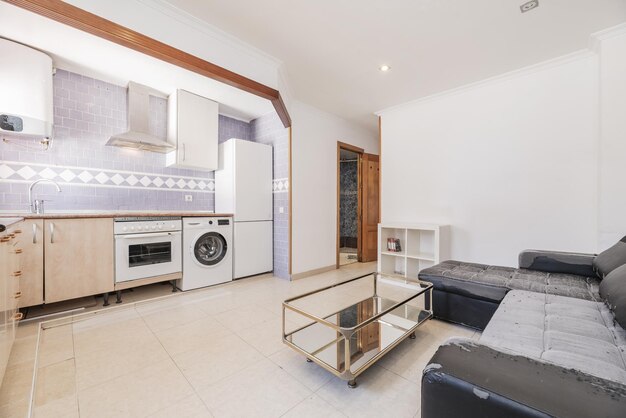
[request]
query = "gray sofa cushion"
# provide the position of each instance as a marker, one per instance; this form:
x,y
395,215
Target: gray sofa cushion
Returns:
x,y
610,259
558,262
572,333
491,283
613,290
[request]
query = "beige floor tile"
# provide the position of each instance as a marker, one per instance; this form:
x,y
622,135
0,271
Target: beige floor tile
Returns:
x,y
313,407
15,409
194,335
110,335
164,318
136,394
66,407
309,374
241,318
116,359
262,390
17,384
24,350
191,407
217,360
410,357
101,319
265,337
218,338
56,344
379,393
55,382
221,300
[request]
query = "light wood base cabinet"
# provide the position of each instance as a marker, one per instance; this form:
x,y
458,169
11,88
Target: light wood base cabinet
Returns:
x,y
10,276
78,258
31,284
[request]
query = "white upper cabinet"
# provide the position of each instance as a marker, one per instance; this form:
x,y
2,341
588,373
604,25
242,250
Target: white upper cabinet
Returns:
x,y
192,127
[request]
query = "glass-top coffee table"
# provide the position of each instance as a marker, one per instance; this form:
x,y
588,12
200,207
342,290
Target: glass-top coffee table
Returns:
x,y
346,327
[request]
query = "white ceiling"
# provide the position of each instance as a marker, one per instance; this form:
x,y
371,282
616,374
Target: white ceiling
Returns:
x,y
80,52
332,49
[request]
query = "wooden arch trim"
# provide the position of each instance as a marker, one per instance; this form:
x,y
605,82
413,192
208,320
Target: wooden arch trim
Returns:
x,y
88,22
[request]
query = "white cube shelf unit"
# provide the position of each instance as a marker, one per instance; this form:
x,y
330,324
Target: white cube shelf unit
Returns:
x,y
423,246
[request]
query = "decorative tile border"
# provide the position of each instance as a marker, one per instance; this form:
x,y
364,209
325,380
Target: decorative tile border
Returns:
x,y
16,172
280,185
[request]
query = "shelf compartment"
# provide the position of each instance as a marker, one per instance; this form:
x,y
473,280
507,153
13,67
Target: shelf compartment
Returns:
x,y
420,242
423,257
399,254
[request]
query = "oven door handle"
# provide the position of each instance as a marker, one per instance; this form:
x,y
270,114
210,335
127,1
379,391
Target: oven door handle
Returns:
x,y
150,235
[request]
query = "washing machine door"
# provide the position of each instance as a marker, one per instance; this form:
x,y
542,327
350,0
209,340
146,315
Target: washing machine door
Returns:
x,y
210,248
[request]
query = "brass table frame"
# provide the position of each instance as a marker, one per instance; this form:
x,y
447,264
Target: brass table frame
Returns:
x,y
347,333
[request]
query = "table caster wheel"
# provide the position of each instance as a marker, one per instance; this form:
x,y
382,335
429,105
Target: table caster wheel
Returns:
x,y
308,360
352,384
412,336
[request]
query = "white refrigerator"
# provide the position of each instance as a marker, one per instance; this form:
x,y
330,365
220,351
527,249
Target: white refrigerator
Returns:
x,y
243,187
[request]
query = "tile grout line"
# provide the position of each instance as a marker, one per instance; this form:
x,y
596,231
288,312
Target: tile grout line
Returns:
x,y
195,391
75,369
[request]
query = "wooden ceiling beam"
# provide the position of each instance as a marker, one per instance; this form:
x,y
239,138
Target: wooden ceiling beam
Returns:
x,y
88,22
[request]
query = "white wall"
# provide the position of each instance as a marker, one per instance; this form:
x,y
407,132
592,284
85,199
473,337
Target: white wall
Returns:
x,y
314,182
166,23
612,199
510,163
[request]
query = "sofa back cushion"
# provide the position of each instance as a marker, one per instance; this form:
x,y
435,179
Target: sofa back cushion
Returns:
x,y
613,290
610,259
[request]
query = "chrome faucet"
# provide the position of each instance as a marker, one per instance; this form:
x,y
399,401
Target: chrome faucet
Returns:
x,y
37,205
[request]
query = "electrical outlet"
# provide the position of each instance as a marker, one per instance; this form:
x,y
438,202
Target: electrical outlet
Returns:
x,y
188,198
281,210
528,6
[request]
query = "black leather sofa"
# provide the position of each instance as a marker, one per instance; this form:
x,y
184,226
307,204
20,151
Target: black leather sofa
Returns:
x,y
553,340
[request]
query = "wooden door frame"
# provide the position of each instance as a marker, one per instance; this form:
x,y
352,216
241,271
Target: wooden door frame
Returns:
x,y
85,21
360,152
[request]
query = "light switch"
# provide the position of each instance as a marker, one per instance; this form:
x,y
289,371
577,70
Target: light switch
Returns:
x,y
281,210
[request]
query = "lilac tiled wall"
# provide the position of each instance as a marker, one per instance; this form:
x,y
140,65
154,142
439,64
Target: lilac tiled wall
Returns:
x,y
96,177
233,128
86,113
268,129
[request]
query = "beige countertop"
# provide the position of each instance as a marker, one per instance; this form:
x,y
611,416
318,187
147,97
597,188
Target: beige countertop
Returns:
x,y
8,221
105,214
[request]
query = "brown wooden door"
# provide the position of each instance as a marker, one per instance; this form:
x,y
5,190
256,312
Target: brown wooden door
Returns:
x,y
370,216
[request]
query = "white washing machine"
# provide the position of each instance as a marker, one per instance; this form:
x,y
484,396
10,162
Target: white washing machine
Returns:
x,y
207,252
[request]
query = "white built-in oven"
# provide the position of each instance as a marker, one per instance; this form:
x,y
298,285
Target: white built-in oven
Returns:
x,y
147,247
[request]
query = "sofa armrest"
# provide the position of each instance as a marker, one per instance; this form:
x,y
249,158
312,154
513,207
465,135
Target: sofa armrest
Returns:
x,y
468,379
558,262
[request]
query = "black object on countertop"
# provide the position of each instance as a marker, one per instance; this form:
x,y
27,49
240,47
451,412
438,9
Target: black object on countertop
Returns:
x,y
2,228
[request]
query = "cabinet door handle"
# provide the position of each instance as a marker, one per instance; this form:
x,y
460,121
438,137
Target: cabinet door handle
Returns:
x,y
34,233
184,152
18,231
18,295
19,251
18,316
17,273
5,239
51,233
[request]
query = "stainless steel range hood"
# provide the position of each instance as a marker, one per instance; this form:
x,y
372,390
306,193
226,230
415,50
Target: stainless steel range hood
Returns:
x,y
138,135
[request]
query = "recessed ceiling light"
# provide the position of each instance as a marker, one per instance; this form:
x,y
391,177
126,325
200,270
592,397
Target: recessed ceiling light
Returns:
x,y
384,68
528,6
